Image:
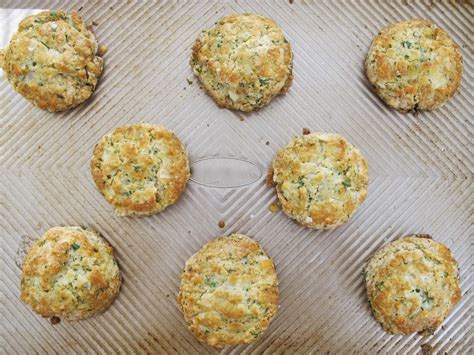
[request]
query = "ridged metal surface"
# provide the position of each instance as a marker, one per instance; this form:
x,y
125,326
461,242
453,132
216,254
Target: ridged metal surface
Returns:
x,y
420,177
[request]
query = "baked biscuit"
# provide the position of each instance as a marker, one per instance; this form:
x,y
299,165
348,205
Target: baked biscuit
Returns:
x,y
243,62
414,65
320,180
52,60
412,285
140,169
229,291
70,273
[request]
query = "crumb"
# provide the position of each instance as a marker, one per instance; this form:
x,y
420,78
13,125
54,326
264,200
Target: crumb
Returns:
x,y
168,295
274,207
80,9
221,224
242,118
306,131
207,125
94,23
189,81
54,320
39,225
102,50
189,232
426,349
270,177
111,8
267,143
39,147
291,2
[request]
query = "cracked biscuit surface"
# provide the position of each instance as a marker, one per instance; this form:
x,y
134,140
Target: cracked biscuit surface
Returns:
x,y
414,65
243,62
70,273
320,180
412,285
229,291
140,169
52,60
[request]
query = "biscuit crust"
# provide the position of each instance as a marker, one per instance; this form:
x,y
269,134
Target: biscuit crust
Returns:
x,y
414,65
229,291
243,62
140,169
52,60
320,180
412,285
70,273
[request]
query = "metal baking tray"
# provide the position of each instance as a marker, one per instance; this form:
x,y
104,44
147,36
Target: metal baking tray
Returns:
x,y
420,176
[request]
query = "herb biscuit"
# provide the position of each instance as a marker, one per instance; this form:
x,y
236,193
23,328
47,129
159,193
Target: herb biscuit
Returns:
x,y
320,180
412,285
140,169
229,291
70,273
414,65
243,62
52,60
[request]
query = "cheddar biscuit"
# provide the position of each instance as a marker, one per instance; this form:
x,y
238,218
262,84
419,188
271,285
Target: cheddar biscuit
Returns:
x,y
52,60
229,291
412,285
320,180
70,273
243,62
414,65
140,169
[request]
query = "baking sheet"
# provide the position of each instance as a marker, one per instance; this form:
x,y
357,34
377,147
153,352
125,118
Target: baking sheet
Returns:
x,y
420,177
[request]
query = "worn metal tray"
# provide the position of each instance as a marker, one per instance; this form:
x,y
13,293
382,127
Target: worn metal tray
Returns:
x,y
420,176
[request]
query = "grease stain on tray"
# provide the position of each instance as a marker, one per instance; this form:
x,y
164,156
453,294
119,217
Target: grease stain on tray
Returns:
x,y
225,172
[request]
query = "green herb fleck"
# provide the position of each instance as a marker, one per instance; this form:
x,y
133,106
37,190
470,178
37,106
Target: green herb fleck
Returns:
x,y
75,246
406,44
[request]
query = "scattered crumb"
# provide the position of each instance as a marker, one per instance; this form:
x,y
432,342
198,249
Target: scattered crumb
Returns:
x,y
291,2
426,349
102,50
267,143
79,9
38,225
189,232
207,125
94,23
54,320
190,82
111,8
274,207
242,118
168,296
270,177
221,224
306,131
39,147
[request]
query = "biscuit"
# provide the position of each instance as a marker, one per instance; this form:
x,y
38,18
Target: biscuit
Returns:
x,y
414,65
70,273
140,169
229,291
320,180
243,62
52,60
412,285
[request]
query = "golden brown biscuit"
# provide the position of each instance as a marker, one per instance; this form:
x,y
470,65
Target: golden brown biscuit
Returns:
x,y
229,291
52,60
243,62
412,285
414,65
140,169
70,273
320,180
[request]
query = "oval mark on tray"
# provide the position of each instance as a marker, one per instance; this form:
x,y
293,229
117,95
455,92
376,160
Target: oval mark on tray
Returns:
x,y
225,172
